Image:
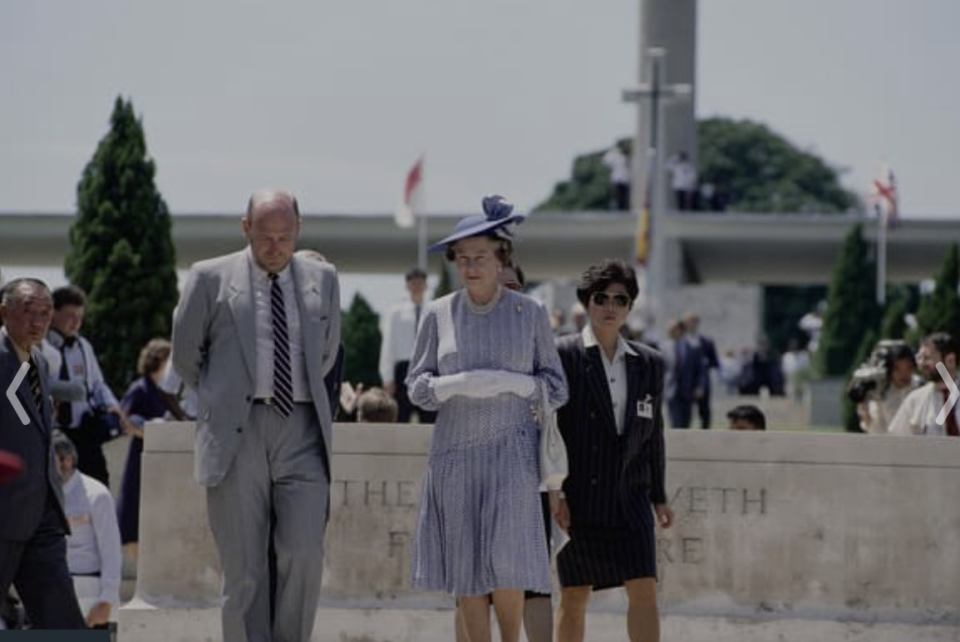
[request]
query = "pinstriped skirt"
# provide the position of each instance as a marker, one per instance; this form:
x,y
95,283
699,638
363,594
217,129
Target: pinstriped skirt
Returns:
x,y
607,557
479,526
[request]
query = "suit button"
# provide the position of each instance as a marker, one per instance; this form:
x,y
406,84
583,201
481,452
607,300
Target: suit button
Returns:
x,y
593,482
596,449
593,415
249,398
239,429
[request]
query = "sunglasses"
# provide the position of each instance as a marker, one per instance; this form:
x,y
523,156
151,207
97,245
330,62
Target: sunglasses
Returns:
x,y
602,298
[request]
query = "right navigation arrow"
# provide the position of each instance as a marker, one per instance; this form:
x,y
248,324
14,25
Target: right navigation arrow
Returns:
x,y
954,394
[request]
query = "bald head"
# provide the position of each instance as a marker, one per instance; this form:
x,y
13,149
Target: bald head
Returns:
x,y
272,227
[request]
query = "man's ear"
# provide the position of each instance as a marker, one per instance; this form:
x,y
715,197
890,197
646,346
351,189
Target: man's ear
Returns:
x,y
950,361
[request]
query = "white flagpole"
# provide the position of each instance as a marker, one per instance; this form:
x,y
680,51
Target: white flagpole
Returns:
x,y
421,214
422,241
882,213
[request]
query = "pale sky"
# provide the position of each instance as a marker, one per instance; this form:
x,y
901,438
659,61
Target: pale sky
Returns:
x,y
335,100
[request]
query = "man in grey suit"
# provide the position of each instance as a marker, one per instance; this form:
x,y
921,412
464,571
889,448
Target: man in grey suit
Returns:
x,y
33,545
254,334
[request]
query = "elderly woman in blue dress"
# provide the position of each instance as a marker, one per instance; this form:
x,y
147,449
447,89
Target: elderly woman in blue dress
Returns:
x,y
613,430
483,357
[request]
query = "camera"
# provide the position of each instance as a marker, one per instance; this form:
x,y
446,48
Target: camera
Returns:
x,y
870,378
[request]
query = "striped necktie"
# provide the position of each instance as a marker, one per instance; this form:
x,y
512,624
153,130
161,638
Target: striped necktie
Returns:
x,y
34,378
282,377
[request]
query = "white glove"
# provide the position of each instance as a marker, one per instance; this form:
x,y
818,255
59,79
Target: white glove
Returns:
x,y
480,384
515,383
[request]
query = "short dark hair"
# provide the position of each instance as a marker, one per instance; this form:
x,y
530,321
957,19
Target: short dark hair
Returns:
x,y
943,342
152,356
750,414
599,276
69,295
415,273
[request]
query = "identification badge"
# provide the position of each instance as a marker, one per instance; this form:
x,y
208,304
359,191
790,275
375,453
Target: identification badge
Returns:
x,y
645,408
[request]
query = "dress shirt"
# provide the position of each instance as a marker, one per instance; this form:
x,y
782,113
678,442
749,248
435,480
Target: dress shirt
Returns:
x,y
399,334
615,371
264,325
94,543
918,413
82,367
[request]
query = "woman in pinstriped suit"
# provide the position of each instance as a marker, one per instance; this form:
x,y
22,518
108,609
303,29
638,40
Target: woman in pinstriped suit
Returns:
x,y
613,429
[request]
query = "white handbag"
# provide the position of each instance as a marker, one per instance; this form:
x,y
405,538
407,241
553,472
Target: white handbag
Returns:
x,y
553,452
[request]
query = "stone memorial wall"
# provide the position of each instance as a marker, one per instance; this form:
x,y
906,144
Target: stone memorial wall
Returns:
x,y
802,535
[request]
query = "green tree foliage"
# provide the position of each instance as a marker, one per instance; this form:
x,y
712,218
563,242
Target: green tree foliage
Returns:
x,y
760,169
360,331
894,325
851,307
783,306
764,172
121,253
588,187
940,312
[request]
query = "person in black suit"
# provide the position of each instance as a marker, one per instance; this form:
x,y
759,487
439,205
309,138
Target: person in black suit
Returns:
x,y
700,358
613,429
33,545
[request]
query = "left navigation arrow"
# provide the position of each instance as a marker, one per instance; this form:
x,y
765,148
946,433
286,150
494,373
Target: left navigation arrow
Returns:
x,y
12,393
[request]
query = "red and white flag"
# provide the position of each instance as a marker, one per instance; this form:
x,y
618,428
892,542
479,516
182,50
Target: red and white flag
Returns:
x,y
884,197
412,204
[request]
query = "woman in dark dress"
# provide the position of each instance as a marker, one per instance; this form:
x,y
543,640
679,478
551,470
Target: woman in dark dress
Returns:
x,y
613,429
142,402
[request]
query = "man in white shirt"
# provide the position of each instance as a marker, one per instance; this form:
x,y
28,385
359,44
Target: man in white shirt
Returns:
x,y
683,180
918,413
94,552
616,160
399,333
73,363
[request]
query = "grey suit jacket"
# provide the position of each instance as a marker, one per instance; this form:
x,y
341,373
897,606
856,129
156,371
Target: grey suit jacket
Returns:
x,y
23,501
214,350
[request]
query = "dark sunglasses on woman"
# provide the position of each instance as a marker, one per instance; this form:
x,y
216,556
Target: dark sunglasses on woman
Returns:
x,y
619,300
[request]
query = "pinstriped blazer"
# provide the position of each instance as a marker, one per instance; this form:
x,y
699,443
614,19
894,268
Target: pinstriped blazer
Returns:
x,y
613,478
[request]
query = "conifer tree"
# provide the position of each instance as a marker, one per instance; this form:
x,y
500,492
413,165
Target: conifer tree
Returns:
x,y
940,312
360,330
121,252
851,307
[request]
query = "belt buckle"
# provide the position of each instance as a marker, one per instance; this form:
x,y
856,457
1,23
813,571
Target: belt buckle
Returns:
x,y
268,401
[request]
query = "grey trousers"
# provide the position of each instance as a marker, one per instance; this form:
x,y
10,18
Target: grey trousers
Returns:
x,y
278,469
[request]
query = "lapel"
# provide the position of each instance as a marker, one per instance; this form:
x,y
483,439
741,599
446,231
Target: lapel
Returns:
x,y
310,306
240,300
596,377
23,391
635,386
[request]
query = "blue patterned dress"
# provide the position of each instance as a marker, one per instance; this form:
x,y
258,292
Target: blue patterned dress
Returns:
x,y
480,526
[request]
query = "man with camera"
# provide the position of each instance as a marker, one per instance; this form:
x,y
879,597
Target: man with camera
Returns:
x,y
880,385
919,411
84,406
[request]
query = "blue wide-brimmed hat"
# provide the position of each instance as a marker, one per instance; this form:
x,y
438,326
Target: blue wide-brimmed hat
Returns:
x,y
496,221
